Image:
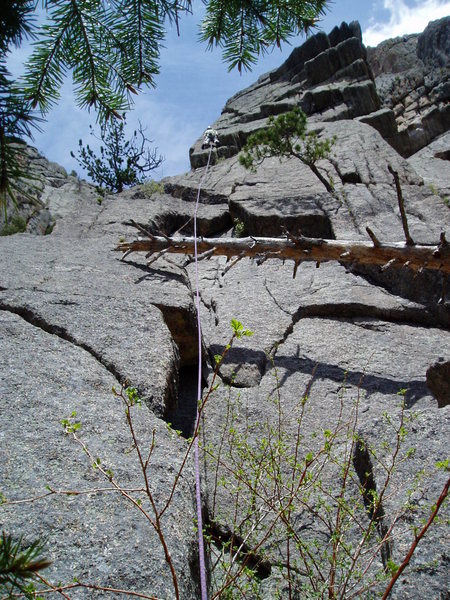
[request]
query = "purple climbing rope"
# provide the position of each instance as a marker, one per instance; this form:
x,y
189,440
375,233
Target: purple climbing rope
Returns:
x,y
198,493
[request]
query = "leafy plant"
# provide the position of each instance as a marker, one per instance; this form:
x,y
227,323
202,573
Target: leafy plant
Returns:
x,y
239,228
435,192
152,187
286,136
307,508
122,163
150,506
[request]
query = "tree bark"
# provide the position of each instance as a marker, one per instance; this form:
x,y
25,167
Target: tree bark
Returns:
x,y
299,249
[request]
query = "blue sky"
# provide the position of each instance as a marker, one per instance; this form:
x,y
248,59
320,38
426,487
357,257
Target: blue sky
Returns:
x,y
194,83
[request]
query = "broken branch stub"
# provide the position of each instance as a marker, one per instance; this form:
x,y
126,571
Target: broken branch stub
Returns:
x,y
401,206
300,248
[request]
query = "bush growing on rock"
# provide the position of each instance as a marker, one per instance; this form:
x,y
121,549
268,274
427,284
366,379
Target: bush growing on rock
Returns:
x,y
122,163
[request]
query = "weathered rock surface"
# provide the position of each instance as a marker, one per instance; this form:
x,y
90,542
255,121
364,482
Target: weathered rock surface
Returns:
x,y
400,88
412,79
432,163
47,196
95,537
328,76
76,320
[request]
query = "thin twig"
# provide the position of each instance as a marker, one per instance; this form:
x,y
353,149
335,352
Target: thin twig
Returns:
x,y
417,539
53,492
60,589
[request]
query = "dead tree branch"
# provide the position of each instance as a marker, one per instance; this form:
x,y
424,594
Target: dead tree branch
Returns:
x,y
401,206
299,248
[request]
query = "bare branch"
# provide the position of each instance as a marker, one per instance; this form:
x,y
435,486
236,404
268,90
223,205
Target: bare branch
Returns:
x,y
401,206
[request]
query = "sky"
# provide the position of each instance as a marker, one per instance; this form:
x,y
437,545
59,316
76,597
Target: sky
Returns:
x,y
194,83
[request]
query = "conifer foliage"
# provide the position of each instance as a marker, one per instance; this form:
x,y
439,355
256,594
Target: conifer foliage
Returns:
x,y
112,48
16,119
245,30
287,136
19,564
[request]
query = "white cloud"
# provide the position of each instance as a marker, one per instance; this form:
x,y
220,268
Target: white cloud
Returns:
x,y
405,19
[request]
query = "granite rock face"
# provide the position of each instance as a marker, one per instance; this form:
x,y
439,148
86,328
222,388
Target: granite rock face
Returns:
x,y
76,322
358,351
328,76
412,79
400,88
47,196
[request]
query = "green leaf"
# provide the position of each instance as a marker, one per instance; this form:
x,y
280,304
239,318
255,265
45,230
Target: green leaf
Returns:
x,y
236,325
392,567
443,464
309,457
238,329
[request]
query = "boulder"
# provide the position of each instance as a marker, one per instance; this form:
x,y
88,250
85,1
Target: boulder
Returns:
x,y
46,196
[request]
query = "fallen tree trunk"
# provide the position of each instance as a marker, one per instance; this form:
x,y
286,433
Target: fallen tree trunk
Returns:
x,y
299,249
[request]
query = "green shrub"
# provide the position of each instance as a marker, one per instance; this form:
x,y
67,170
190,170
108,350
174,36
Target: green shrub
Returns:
x,y
17,224
152,187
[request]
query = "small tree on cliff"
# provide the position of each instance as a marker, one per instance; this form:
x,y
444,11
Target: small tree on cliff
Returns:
x,y
122,163
286,136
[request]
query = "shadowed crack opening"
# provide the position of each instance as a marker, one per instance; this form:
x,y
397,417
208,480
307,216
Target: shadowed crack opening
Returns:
x,y
414,315
171,222
182,324
444,155
296,363
228,544
183,414
425,287
362,463
300,216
